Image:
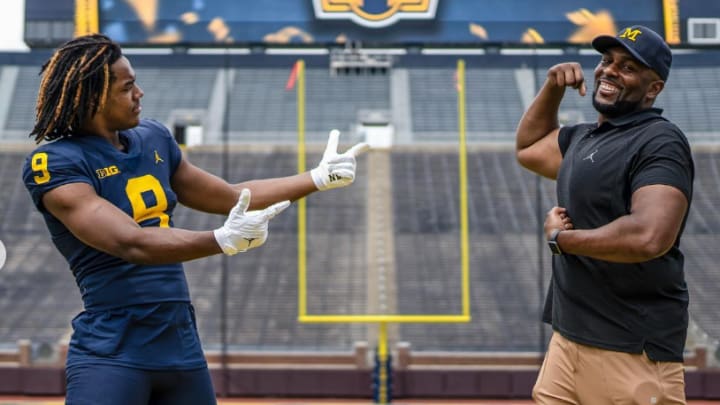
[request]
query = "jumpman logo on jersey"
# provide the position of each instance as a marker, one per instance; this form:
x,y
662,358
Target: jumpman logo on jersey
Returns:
x,y
158,159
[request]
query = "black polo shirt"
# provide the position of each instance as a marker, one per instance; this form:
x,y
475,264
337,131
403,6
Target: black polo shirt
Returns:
x,y
628,307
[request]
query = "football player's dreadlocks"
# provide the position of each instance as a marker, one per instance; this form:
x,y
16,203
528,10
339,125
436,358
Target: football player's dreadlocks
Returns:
x,y
74,86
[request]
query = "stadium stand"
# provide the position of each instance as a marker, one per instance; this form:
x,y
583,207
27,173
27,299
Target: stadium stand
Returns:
x,y
691,103
262,285
171,89
503,221
38,296
21,113
261,108
503,247
175,89
493,104
248,303
700,242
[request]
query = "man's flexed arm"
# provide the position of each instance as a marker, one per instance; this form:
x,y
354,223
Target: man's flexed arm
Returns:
x,y
536,137
647,232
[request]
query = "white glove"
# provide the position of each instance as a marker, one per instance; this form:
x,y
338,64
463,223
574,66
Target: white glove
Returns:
x,y
244,230
336,170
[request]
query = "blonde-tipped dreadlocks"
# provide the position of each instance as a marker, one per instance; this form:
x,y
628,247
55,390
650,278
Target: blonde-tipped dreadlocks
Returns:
x,y
74,86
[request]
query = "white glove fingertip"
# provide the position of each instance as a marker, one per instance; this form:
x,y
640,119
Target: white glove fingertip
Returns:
x,y
243,202
358,149
276,208
331,148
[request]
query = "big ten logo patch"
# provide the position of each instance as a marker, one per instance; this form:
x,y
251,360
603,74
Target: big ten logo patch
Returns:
x,y
107,171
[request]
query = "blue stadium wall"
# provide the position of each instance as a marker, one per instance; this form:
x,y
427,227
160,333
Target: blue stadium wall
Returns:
x,y
374,22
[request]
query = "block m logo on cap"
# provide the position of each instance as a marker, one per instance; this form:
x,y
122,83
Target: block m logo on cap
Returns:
x,y
631,34
651,49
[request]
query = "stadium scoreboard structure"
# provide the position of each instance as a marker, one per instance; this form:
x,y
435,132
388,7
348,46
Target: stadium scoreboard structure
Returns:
x,y
296,23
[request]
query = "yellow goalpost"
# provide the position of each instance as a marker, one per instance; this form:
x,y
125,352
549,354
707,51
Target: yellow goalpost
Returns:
x,y
383,319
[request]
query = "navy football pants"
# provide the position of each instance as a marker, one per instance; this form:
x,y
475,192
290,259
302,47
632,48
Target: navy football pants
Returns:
x,y
115,385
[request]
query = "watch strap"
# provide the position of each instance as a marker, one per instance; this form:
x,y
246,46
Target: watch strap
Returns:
x,y
553,243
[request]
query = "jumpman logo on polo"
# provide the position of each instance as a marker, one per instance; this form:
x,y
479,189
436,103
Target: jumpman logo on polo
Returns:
x,y
591,156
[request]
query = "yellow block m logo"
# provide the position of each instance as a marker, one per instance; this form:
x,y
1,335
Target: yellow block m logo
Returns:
x,y
630,34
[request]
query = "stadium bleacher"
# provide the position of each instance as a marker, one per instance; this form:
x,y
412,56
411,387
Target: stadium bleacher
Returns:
x,y
493,104
509,264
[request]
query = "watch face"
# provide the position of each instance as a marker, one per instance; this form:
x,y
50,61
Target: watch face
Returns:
x,y
554,248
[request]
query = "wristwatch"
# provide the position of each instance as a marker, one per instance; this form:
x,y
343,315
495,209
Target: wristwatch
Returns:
x,y
552,242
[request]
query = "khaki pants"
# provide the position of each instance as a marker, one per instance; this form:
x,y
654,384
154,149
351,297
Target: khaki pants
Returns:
x,y
577,374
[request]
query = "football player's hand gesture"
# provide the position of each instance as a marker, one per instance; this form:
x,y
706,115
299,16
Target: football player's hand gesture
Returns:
x,y
336,170
244,230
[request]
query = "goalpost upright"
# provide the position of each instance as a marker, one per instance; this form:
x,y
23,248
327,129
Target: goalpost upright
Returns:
x,y
383,353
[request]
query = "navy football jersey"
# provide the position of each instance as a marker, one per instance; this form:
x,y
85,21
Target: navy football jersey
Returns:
x,y
138,182
135,315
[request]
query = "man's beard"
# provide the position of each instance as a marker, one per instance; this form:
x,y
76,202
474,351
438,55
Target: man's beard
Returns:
x,y
616,109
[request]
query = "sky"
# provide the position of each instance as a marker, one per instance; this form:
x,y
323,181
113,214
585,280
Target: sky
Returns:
x,y
11,25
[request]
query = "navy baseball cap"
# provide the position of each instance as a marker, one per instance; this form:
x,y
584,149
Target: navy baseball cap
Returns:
x,y
644,44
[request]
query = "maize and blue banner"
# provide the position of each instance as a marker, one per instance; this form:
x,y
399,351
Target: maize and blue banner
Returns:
x,y
382,22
